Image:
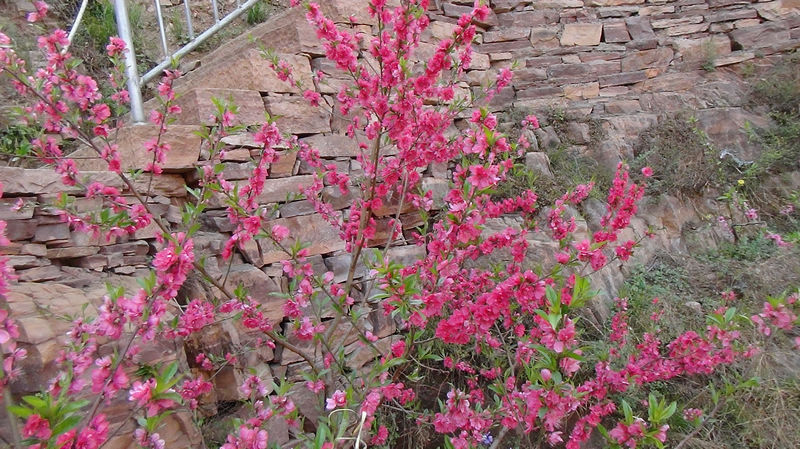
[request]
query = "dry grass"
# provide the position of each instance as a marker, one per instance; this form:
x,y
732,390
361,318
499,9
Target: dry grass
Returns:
x,y
766,416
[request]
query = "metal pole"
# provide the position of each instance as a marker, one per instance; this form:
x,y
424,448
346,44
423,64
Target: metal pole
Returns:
x,y
189,25
77,23
216,10
161,31
124,29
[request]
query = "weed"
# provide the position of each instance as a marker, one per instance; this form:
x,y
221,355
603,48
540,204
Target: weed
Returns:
x,y
260,12
748,249
780,87
179,32
569,170
761,396
710,56
679,155
779,90
15,142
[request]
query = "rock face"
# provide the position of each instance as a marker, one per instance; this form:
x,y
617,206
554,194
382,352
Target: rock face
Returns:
x,y
619,63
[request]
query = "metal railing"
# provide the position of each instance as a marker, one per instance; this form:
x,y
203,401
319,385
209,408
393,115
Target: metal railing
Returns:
x,y
135,81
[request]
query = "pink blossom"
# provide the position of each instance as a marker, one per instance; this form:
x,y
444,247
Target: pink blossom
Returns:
x,y
338,400
482,177
115,47
312,97
36,427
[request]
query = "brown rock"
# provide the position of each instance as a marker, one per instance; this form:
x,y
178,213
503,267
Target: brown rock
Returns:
x,y
544,38
480,61
760,36
622,79
360,354
18,262
250,70
504,46
50,232
506,34
578,133
726,128
338,200
71,252
744,23
656,10
581,34
245,140
40,274
198,107
7,206
17,230
777,10
333,145
703,49
613,2
560,72
457,11
734,58
260,287
33,249
687,29
559,4
734,14
526,77
340,266
539,163
23,181
677,21
723,3
671,82
296,208
438,187
275,190
294,115
438,30
528,18
236,154
313,229
615,32
184,148
23,299
659,57
623,107
640,28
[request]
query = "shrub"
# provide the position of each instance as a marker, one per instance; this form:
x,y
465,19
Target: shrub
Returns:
x,y
679,155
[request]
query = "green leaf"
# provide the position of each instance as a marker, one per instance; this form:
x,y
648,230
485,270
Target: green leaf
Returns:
x,y
66,424
628,412
729,314
75,406
652,407
35,402
669,411
20,411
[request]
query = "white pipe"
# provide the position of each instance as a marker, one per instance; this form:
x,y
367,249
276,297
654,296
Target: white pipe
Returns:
x,y
161,31
77,23
134,91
